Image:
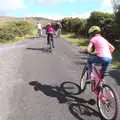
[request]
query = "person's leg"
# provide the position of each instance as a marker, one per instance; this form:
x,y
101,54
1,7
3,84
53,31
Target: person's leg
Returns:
x,y
52,40
106,62
91,60
58,32
41,32
48,40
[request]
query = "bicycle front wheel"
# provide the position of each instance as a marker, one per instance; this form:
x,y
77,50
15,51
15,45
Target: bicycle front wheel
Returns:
x,y
107,103
83,79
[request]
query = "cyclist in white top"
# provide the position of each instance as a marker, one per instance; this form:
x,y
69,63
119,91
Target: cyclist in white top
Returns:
x,y
39,29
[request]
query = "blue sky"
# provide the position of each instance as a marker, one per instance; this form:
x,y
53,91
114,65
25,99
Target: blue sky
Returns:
x,y
55,9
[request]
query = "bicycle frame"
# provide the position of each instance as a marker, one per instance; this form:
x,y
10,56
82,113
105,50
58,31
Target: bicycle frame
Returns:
x,y
98,81
104,93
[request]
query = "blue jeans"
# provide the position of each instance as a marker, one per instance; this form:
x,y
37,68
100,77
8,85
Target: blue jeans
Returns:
x,y
104,61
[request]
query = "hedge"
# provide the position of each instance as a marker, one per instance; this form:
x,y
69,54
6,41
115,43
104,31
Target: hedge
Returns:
x,y
14,29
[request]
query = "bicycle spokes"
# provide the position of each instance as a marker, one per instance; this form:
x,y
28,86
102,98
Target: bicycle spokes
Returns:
x,y
107,103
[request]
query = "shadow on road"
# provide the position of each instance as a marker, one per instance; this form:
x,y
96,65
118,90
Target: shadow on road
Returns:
x,y
78,107
35,37
81,110
44,50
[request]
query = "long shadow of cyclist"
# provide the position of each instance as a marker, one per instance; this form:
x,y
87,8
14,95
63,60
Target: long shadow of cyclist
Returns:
x,y
44,50
77,106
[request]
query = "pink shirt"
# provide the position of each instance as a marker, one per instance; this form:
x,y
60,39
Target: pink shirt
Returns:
x,y
50,29
101,46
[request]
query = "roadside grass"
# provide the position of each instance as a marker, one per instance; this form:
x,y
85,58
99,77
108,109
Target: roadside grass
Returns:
x,y
83,42
2,23
12,41
18,39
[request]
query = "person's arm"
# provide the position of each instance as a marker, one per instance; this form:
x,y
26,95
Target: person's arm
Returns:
x,y
90,47
111,47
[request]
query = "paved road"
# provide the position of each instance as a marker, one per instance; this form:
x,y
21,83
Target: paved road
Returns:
x,y
31,78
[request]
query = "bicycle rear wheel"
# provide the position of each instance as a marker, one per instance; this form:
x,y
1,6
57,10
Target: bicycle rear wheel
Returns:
x,y
83,79
50,44
107,103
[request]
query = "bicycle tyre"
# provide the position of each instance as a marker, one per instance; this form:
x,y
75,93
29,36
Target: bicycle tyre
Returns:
x,y
104,113
83,78
50,45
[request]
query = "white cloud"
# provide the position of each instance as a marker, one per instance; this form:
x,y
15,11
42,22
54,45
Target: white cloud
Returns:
x,y
58,17
81,15
10,5
106,6
49,16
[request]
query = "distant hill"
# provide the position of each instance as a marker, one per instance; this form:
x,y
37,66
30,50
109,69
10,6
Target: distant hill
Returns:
x,y
5,18
33,19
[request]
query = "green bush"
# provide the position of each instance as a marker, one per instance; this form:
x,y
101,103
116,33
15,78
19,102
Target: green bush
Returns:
x,y
6,34
15,29
74,25
100,18
109,24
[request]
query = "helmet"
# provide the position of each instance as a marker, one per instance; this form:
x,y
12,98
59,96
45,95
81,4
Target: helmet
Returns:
x,y
93,29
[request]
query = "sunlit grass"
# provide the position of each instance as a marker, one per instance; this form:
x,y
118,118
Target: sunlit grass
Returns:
x,y
17,39
12,41
116,64
81,42
2,23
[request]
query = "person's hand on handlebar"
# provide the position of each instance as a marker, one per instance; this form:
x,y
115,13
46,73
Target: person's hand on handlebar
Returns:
x,y
87,51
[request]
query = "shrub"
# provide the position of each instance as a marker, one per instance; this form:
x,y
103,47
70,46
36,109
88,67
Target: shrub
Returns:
x,y
6,34
15,29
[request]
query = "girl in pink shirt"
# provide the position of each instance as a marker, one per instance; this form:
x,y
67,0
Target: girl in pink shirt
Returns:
x,y
103,49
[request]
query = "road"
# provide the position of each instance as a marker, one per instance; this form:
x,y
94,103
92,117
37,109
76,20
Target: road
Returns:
x,y
31,79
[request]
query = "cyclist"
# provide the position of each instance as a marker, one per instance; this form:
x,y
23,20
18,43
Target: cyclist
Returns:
x,y
59,27
39,29
103,50
50,31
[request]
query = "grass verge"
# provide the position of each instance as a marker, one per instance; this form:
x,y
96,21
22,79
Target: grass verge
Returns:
x,y
17,39
81,42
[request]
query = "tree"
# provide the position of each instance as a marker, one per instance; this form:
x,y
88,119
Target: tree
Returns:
x,y
116,7
99,18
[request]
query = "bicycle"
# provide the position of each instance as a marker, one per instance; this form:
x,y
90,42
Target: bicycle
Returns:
x,y
50,42
106,96
39,33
